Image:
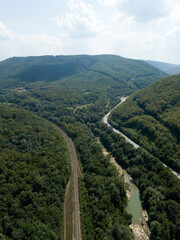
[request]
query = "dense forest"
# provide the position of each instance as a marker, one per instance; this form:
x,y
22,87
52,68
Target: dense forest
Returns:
x,y
74,92
102,194
34,171
83,71
159,188
151,118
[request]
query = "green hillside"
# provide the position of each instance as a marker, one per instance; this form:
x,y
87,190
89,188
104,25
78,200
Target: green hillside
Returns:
x,y
80,70
151,118
34,171
168,68
74,92
69,88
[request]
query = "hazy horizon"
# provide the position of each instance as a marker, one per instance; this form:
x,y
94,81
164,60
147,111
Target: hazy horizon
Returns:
x,y
142,29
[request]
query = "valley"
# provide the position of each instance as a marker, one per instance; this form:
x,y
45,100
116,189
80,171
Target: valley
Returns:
x,y
139,223
75,93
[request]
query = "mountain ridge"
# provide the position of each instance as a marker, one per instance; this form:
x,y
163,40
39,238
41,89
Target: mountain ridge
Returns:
x,y
67,69
168,68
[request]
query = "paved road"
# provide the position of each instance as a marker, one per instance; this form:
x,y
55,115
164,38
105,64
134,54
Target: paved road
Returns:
x,y
105,120
76,173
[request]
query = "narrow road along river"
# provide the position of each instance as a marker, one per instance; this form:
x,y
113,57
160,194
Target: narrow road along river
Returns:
x,y
139,224
105,120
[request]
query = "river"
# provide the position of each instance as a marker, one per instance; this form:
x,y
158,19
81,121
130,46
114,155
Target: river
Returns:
x,y
139,224
139,220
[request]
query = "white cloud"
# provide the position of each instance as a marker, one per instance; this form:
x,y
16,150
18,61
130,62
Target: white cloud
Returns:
x,y
175,10
141,29
155,36
144,10
174,33
13,44
41,43
80,20
4,32
108,3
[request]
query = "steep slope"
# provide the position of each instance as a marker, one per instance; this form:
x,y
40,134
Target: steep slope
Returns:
x,y
151,118
174,70
74,92
168,68
34,170
81,70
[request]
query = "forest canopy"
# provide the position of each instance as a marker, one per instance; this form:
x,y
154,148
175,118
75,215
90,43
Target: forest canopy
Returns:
x,y
151,118
34,171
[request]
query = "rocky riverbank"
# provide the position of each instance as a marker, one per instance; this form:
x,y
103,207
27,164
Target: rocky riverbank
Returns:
x,y
140,230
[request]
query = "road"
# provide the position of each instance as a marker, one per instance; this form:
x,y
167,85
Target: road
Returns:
x,y
76,173
105,120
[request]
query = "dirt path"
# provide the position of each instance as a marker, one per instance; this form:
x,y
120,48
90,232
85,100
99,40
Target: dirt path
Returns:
x,y
72,221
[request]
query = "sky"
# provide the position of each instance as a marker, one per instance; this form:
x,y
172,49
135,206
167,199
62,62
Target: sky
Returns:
x,y
138,29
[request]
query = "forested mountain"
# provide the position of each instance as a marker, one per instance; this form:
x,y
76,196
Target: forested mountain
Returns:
x,y
82,70
168,68
151,118
34,170
74,92
65,88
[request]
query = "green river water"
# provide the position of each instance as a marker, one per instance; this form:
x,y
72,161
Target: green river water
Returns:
x,y
134,205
